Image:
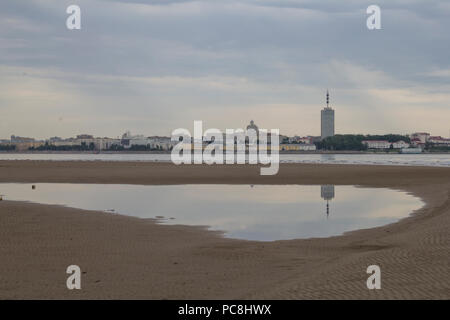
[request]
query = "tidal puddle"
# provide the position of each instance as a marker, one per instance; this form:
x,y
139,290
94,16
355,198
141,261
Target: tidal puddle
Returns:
x,y
251,212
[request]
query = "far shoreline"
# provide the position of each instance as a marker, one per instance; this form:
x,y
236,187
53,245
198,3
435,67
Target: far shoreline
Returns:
x,y
350,152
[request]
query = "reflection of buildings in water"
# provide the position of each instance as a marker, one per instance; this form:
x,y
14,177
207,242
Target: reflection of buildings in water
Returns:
x,y
327,193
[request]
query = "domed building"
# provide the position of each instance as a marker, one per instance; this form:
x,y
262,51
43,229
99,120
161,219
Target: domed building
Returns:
x,y
253,126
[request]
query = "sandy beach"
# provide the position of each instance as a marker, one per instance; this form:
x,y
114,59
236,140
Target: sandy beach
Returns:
x,y
130,258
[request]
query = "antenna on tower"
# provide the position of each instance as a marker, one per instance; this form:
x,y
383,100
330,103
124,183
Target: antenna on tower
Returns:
x,y
328,98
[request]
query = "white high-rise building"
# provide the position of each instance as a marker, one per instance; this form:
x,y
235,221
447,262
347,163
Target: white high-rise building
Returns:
x,y
327,120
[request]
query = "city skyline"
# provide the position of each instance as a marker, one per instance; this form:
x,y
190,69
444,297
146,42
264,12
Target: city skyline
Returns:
x,y
327,127
119,136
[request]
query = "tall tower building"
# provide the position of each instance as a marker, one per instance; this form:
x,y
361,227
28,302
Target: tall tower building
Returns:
x,y
327,120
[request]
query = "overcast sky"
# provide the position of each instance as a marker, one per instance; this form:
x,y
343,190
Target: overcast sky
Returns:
x,y
153,66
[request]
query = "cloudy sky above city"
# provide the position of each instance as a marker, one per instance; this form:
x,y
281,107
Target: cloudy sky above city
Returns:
x,y
153,66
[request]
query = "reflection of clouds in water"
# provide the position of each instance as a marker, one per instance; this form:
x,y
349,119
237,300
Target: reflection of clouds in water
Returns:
x,y
258,193
261,212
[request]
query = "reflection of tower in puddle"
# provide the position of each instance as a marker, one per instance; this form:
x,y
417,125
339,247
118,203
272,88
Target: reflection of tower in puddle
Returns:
x,y
327,193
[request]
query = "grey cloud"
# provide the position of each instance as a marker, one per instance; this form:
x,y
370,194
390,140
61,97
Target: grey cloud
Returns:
x,y
312,44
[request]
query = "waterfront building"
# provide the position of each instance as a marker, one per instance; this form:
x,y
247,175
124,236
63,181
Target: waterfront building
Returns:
x,y
400,144
64,142
422,136
162,143
23,143
297,147
377,144
153,142
298,139
439,141
105,143
17,139
129,140
416,142
85,136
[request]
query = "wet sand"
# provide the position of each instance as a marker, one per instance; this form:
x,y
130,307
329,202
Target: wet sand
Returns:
x,y
124,258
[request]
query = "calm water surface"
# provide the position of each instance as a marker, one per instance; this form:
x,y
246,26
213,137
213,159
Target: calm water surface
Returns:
x,y
260,212
439,160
